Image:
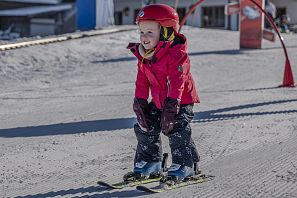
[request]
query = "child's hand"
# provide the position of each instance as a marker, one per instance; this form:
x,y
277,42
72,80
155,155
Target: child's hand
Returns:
x,y
141,109
170,110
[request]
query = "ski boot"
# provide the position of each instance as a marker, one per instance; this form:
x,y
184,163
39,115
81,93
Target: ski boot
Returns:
x,y
178,173
147,170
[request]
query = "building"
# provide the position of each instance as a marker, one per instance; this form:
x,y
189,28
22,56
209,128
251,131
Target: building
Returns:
x,y
286,7
36,17
210,14
94,14
24,18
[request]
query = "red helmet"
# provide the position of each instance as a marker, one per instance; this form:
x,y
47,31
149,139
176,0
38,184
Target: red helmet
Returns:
x,y
163,14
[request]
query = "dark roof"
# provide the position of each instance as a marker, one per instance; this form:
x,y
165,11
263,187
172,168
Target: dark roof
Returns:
x,y
36,1
35,10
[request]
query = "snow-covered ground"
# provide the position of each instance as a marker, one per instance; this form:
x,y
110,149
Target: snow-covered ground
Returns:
x,y
66,117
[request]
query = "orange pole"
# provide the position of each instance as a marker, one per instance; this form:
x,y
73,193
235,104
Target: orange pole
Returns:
x,y
288,80
188,13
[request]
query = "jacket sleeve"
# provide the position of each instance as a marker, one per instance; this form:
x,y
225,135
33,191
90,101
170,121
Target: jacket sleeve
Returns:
x,y
142,85
178,67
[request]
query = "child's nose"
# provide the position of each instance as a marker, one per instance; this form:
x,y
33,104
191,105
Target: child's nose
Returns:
x,y
144,35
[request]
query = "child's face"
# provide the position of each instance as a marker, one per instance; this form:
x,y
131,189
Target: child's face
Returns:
x,y
149,34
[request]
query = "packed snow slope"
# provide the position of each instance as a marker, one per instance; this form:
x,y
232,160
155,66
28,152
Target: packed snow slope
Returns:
x,y
66,117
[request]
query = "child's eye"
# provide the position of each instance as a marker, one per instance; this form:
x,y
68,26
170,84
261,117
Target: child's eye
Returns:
x,y
149,33
146,33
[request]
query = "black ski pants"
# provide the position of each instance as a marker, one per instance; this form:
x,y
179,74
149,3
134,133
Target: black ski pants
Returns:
x,y
182,146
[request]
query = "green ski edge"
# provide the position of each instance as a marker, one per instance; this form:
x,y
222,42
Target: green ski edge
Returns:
x,y
192,181
124,184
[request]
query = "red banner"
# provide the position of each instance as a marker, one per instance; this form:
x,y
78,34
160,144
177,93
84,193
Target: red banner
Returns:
x,y
251,24
232,8
268,35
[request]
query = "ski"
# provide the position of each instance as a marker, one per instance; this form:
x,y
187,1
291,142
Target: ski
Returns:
x,y
164,187
124,184
135,179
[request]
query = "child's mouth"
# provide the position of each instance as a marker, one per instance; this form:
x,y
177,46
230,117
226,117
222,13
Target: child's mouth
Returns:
x,y
146,43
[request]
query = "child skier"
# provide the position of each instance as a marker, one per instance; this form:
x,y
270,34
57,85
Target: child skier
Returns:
x,y
164,71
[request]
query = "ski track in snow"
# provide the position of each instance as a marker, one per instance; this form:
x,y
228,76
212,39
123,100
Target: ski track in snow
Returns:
x,y
66,117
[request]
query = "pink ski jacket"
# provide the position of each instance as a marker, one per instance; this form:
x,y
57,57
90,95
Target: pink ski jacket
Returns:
x,y
166,74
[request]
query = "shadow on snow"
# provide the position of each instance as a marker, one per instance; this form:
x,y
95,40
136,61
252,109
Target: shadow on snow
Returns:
x,y
217,52
87,192
127,123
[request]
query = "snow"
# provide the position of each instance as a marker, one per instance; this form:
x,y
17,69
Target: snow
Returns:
x,y
66,118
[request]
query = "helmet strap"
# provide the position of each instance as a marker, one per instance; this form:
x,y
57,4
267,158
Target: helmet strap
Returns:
x,y
146,54
167,34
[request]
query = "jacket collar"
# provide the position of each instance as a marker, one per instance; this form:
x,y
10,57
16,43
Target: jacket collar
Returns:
x,y
144,54
161,48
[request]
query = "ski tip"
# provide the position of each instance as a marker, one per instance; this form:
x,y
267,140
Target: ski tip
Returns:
x,y
146,189
110,186
101,183
141,188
